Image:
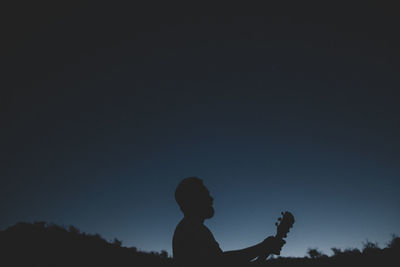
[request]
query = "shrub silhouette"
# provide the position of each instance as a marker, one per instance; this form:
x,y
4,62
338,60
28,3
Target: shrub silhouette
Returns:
x,y
370,247
117,243
351,252
315,253
336,251
394,243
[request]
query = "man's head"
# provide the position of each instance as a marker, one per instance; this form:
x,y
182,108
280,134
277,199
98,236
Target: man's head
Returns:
x,y
194,198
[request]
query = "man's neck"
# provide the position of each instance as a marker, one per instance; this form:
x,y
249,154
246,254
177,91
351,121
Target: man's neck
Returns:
x,y
194,219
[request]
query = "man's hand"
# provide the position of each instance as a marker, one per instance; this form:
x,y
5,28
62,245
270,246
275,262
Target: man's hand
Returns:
x,y
273,245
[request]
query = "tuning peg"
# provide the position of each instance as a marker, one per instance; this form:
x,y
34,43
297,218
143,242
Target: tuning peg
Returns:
x,y
276,224
282,213
279,219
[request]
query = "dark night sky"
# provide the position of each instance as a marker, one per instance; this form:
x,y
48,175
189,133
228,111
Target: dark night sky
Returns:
x,y
104,109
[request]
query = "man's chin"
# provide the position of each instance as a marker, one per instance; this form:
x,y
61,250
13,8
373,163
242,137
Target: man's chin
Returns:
x,y
210,213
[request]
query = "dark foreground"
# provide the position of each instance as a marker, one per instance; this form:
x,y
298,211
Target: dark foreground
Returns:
x,y
40,244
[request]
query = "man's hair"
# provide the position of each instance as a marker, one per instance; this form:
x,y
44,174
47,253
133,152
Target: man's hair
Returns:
x,y
187,192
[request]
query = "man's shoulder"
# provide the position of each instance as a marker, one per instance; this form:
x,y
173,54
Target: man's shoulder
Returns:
x,y
193,239
193,231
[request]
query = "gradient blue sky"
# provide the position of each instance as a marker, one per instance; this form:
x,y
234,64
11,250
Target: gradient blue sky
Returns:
x,y
106,109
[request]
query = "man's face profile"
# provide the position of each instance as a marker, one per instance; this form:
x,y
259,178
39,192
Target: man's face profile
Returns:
x,y
206,201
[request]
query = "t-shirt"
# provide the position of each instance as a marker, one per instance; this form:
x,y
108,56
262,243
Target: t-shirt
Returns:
x,y
194,245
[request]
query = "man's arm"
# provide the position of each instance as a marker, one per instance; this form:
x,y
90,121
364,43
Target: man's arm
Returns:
x,y
269,245
242,255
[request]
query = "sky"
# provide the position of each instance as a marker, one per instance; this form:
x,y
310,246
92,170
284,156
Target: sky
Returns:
x,y
105,109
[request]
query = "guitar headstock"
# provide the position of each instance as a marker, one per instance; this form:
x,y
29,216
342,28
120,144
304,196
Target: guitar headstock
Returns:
x,y
284,224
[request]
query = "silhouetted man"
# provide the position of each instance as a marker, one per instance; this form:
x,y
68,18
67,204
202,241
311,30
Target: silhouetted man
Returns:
x,y
193,243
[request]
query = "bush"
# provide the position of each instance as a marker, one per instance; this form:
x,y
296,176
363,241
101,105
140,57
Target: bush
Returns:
x,y
337,251
394,243
314,253
370,247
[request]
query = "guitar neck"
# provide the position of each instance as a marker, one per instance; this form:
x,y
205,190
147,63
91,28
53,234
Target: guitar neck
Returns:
x,y
285,223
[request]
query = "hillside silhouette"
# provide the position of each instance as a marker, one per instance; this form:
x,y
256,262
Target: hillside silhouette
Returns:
x,y
42,244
